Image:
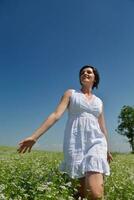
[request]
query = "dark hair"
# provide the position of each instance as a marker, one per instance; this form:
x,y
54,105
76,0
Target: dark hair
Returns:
x,y
96,73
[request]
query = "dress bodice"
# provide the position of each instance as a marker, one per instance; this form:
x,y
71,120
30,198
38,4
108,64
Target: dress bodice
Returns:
x,y
80,105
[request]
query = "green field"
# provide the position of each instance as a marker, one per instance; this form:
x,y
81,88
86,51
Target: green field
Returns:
x,y
35,176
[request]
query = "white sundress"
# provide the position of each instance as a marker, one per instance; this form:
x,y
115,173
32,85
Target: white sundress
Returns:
x,y
85,145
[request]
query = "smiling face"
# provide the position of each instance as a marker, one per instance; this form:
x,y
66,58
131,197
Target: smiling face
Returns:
x,y
87,76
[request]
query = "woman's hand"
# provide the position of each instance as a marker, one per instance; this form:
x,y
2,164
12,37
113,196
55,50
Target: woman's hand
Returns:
x,y
26,145
109,157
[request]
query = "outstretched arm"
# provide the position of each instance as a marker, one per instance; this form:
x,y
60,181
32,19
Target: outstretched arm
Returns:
x,y
27,143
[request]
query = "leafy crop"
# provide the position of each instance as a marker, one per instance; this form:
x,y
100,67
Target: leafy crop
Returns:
x,y
36,176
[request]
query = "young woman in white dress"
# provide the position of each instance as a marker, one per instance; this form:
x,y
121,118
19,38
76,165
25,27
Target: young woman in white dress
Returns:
x,y
86,149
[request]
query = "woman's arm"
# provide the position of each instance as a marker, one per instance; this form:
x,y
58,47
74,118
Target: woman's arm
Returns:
x,y
103,128
53,117
102,125
27,143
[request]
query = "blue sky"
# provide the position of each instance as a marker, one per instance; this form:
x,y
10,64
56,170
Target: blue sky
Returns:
x,y
43,44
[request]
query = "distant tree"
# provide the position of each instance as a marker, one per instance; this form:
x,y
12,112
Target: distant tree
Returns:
x,y
126,124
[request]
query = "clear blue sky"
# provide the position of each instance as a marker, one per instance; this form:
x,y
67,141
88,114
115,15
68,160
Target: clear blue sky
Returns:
x,y
43,44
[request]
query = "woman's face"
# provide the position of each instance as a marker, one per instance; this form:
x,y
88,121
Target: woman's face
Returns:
x,y
87,76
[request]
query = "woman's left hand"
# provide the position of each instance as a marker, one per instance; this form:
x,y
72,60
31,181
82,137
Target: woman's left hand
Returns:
x,y
109,157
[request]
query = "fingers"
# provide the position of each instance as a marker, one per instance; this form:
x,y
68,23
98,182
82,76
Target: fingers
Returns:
x,y
110,158
26,145
23,148
29,150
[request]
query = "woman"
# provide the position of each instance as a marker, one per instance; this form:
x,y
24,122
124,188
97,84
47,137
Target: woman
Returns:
x,y
86,154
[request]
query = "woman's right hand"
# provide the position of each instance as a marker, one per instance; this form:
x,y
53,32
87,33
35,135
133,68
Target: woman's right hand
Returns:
x,y
26,145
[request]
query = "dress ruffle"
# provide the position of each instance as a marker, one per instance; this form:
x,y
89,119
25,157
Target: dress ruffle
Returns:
x,y
88,164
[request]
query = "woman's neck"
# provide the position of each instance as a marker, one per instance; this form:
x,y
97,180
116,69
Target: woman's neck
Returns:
x,y
86,90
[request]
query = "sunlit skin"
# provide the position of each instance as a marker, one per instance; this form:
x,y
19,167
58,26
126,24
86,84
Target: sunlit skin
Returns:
x,y
87,79
87,76
92,180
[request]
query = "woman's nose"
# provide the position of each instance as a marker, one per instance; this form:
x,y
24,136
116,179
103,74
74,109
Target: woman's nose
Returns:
x,y
85,72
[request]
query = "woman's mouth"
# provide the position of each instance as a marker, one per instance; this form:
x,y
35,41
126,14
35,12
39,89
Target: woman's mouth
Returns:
x,y
86,77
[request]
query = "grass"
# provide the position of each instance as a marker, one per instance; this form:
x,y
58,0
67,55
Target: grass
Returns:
x,y
36,176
